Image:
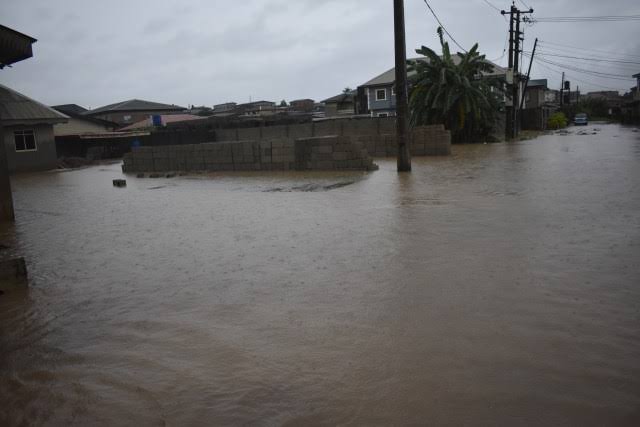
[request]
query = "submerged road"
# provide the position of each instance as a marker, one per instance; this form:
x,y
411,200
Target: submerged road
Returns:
x,y
499,286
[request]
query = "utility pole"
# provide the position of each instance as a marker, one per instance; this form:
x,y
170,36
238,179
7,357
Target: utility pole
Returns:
x,y
526,83
402,101
562,91
515,37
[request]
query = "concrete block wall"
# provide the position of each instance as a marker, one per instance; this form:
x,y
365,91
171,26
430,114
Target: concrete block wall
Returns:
x,y
325,153
425,141
377,135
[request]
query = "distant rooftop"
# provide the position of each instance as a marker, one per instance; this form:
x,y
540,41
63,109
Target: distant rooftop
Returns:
x,y
70,109
134,105
17,108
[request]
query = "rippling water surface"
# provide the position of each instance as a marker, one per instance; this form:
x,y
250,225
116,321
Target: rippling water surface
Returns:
x,y
500,286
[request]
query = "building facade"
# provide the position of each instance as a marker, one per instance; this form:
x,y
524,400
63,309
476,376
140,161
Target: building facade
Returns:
x,y
27,128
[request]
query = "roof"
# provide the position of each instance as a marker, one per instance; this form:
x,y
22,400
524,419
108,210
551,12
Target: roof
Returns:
x,y
134,105
340,98
76,111
69,109
389,77
16,108
637,76
165,119
538,82
301,100
15,46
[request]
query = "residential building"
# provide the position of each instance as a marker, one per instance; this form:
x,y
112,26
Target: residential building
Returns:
x,y
378,96
257,108
302,105
128,112
27,127
162,120
537,105
78,123
227,107
340,105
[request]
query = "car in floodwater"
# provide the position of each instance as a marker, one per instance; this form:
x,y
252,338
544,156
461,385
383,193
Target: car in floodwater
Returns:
x,y
580,119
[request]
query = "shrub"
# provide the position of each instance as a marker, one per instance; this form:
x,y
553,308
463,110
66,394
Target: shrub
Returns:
x,y
557,121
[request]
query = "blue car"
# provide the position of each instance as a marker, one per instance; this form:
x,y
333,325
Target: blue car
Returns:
x,y
580,119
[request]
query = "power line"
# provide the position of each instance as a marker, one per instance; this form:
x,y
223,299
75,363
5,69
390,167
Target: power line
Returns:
x,y
443,27
612,18
524,4
590,59
573,77
583,71
569,48
492,5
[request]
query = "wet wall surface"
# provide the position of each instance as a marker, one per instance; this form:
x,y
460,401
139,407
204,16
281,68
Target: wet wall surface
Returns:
x,y
498,286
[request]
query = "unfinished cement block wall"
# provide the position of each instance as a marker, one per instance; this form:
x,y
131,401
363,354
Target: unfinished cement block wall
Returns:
x,y
377,135
325,153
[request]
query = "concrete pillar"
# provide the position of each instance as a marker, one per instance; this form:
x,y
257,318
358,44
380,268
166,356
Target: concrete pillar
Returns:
x,y
6,198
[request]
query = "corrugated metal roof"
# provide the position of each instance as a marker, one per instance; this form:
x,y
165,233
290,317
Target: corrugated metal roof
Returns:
x,y
389,77
134,105
165,118
16,108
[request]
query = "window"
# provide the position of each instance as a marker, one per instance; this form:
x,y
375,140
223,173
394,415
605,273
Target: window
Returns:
x,y
25,140
383,114
381,94
393,91
126,118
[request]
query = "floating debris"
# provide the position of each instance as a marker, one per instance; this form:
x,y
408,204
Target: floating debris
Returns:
x,y
119,182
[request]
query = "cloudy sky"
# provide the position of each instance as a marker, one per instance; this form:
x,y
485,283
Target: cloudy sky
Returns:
x,y
198,52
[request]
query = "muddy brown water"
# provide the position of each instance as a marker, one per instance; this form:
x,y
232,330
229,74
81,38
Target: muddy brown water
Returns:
x,y
500,286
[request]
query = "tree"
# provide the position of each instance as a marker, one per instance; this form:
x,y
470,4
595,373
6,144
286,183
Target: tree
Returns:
x,y
454,93
283,103
347,90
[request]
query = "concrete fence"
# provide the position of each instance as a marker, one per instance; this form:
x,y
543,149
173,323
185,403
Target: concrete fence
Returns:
x,y
377,135
315,153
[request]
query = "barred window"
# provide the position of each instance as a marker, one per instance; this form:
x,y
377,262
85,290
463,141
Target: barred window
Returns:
x,y
25,140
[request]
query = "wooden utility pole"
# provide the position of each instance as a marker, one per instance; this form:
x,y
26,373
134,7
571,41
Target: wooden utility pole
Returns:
x,y
562,91
402,99
6,198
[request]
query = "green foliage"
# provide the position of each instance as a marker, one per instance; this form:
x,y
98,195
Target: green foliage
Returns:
x,y
450,92
347,90
557,121
593,107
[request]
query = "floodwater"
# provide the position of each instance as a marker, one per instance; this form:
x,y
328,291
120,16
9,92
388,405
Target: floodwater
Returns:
x,y
500,286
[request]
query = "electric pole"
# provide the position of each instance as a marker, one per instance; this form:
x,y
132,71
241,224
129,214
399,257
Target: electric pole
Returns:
x,y
515,37
402,101
526,82
562,91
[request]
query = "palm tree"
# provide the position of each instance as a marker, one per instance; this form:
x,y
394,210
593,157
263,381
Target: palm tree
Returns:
x,y
450,92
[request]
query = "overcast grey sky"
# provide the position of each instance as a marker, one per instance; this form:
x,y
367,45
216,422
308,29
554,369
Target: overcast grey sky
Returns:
x,y
211,51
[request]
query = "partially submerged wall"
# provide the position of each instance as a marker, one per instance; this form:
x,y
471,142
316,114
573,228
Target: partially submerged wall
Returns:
x,y
378,135
323,153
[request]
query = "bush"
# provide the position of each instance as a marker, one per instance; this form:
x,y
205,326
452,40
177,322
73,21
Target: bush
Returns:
x,y
557,121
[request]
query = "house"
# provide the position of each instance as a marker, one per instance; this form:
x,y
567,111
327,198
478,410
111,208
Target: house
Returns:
x,y
128,112
14,47
377,97
302,105
257,108
78,123
631,105
536,107
161,120
27,127
340,105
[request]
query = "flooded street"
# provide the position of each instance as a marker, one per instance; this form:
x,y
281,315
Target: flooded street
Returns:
x,y
498,286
